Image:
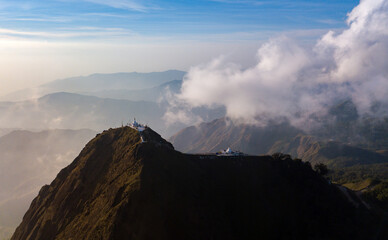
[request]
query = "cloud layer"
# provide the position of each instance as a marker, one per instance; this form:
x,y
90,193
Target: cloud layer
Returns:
x,y
123,4
294,81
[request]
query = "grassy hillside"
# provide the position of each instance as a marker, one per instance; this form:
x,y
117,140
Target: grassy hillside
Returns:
x,y
122,188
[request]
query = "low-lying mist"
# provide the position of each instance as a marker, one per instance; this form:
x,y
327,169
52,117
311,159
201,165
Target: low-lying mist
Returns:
x,y
28,161
294,81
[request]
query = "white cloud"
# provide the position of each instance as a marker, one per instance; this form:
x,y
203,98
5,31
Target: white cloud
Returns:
x,y
39,19
292,81
260,90
73,33
123,4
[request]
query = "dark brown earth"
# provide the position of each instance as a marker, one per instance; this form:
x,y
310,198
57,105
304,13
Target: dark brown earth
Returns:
x,y
121,188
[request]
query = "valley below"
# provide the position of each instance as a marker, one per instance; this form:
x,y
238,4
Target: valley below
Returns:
x,y
352,147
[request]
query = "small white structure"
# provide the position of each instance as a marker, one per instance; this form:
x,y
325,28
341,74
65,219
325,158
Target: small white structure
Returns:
x,y
229,152
138,126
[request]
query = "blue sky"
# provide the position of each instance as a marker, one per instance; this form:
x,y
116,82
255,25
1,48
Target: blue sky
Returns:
x,y
72,19
42,40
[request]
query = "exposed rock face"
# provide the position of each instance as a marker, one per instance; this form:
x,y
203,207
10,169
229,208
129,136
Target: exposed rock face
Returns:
x,y
121,188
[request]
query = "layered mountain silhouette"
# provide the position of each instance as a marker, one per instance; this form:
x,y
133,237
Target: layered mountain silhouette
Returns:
x,y
69,110
152,94
75,111
97,84
130,185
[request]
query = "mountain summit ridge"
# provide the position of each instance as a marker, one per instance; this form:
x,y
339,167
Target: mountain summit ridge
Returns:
x,y
120,187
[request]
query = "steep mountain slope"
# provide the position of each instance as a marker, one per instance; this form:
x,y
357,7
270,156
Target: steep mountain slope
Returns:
x,y
344,124
120,187
222,133
98,82
27,161
334,154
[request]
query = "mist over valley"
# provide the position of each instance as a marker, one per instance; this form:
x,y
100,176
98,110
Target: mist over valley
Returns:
x,y
276,126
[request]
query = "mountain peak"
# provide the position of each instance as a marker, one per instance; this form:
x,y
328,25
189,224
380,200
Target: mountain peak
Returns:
x,y
108,166
120,187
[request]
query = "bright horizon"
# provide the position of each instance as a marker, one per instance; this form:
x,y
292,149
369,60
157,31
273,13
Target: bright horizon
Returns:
x,y
42,41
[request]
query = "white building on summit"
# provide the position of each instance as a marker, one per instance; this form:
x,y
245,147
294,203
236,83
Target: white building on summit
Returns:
x,y
138,126
229,152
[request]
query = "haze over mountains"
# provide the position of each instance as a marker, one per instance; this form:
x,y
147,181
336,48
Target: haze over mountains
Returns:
x,y
102,109
321,100
107,100
132,95
97,83
153,94
28,161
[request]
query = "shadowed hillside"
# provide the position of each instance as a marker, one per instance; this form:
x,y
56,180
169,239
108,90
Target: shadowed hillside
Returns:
x,y
122,188
221,133
334,154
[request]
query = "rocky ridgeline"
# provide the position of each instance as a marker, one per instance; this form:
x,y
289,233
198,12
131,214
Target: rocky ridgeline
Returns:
x,y
120,187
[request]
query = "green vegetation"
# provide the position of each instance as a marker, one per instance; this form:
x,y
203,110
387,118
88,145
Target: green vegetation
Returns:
x,y
365,178
121,188
359,173
378,195
321,169
281,156
362,185
371,180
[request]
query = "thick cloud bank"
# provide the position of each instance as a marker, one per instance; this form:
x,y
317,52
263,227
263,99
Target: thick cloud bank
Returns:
x,y
293,81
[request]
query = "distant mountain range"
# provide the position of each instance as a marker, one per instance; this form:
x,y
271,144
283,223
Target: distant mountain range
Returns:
x,y
100,84
29,160
5,131
344,124
75,111
223,133
100,101
121,187
344,140
153,94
